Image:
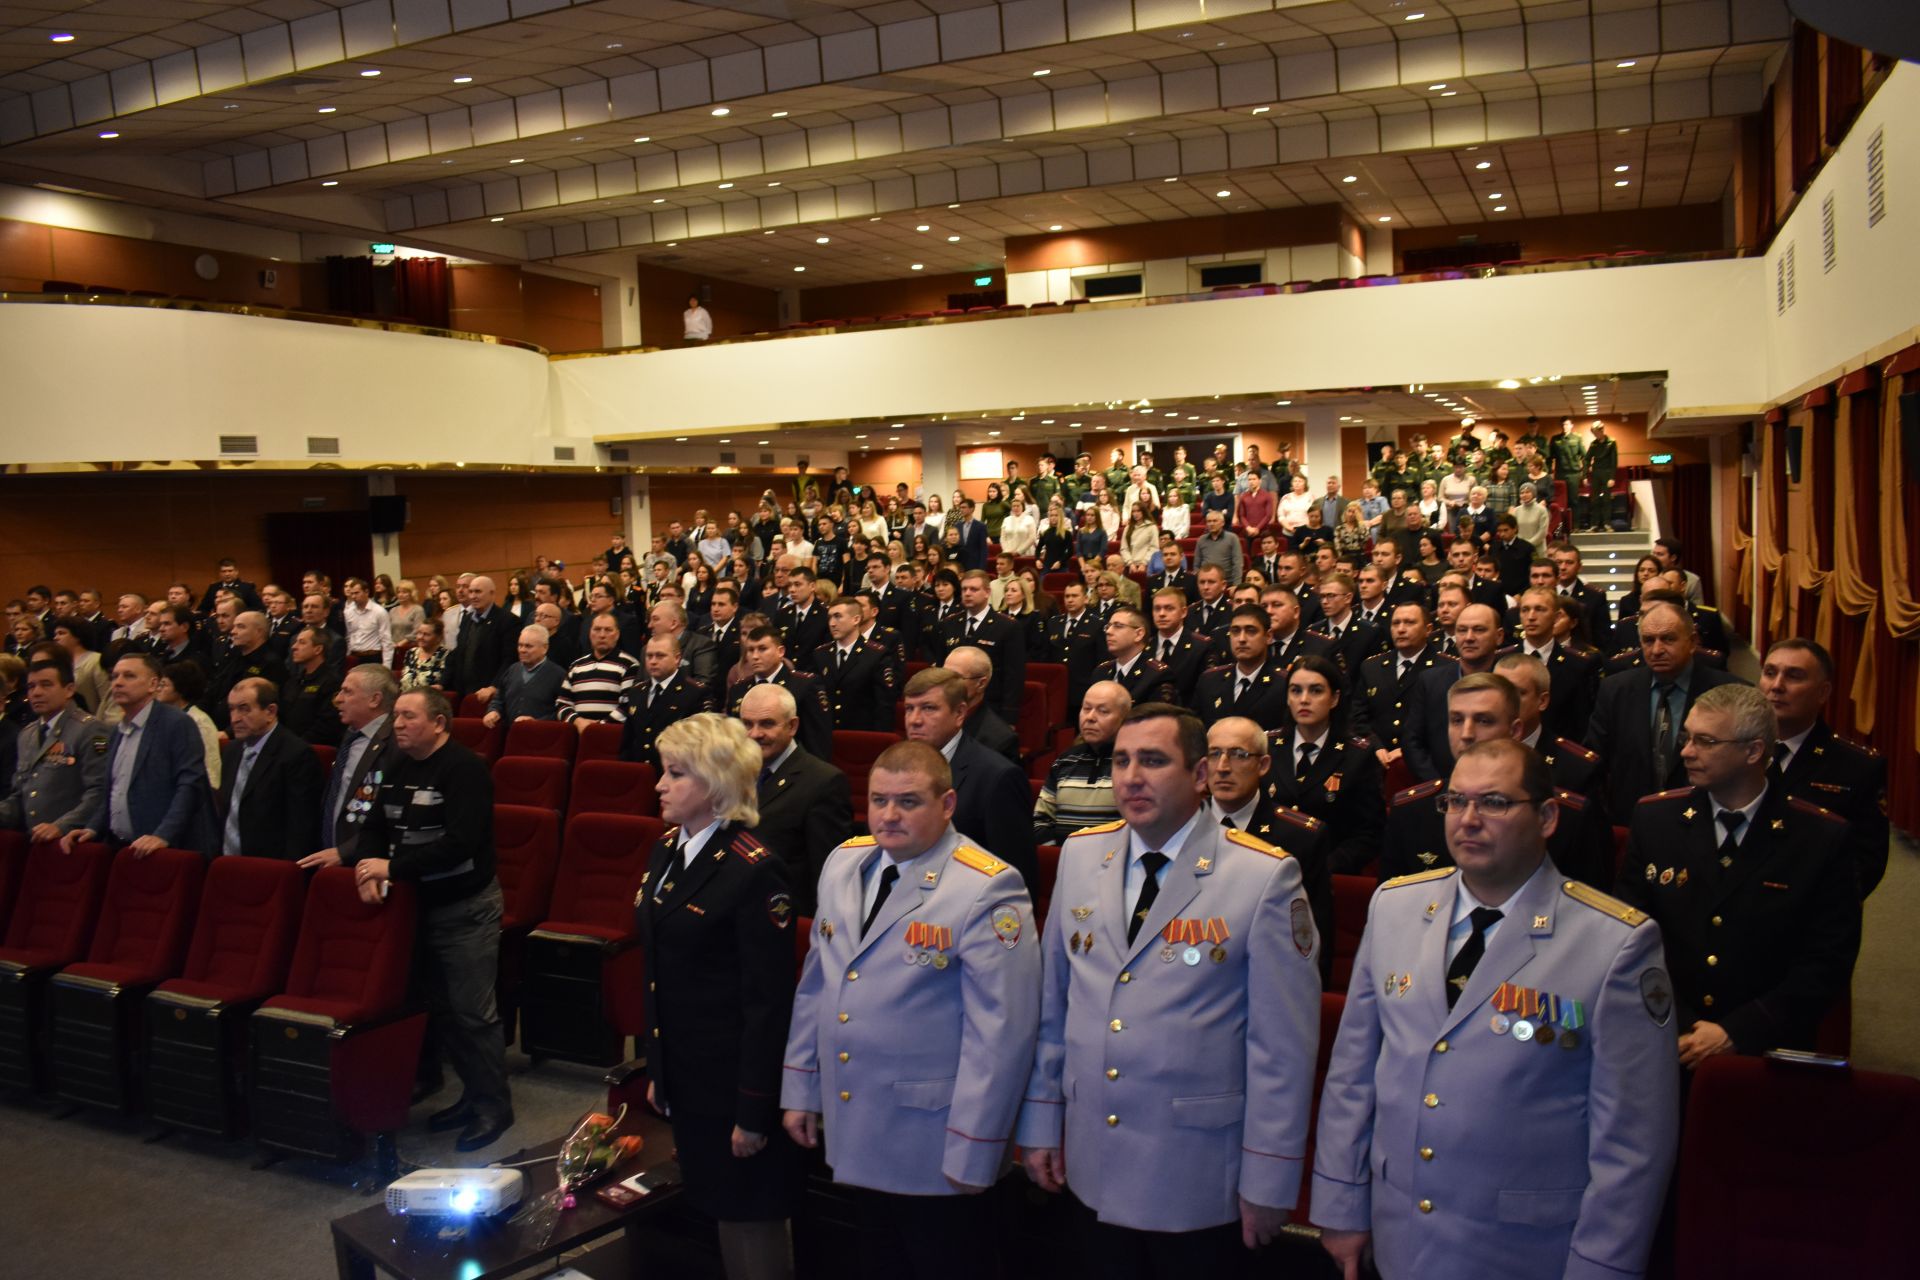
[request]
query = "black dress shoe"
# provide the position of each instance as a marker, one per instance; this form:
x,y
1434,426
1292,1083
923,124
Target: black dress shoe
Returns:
x,y
484,1131
454,1117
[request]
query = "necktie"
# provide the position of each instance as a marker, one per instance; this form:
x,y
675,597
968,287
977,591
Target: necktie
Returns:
x,y
1306,761
1732,820
1149,890
1228,824
973,626
887,876
46,731
1781,754
330,811
839,659
1401,674
1240,687
1483,918
1166,651
231,844
1662,734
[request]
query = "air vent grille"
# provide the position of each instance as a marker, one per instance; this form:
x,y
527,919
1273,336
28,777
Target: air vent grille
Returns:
x,y
328,446
1876,177
766,459
727,457
563,453
617,455
1787,268
1829,247
239,444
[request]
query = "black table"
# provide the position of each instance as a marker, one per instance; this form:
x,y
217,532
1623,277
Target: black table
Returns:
x,y
375,1240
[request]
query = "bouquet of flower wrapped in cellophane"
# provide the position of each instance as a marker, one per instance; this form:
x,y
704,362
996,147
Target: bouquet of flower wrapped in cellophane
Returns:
x,y
594,1148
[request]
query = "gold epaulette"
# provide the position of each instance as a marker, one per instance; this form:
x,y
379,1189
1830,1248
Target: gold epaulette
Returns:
x,y
1100,830
1571,799
1605,904
857,842
1568,744
1419,791
1814,810
1674,794
748,847
1420,877
1864,748
1305,821
985,863
1255,843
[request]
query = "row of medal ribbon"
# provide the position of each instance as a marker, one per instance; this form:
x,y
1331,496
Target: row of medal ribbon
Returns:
x,y
1531,1015
921,936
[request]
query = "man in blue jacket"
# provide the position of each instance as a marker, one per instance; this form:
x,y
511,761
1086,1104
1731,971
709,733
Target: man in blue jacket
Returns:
x,y
157,795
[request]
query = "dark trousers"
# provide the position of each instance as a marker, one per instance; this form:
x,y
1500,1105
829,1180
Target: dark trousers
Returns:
x,y
1597,509
456,963
1127,1253
917,1235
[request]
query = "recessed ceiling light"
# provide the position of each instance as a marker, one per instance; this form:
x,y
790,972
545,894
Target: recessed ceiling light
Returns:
x,y
1169,179
1385,217
781,115
61,37
659,199
110,134
799,268
1451,93
1352,177
760,442
463,79
773,184
918,266
723,111
956,239
368,74
645,137
953,206
1055,227
1260,111
327,111
1044,71
767,232
859,437
518,160
1624,65
1499,208
229,106
923,227
1621,168
616,45
822,239
726,186
1496,196
1222,195
1484,164
331,182
673,244
446,162
1414,17
1508,384
1283,402
498,219
1621,183
993,433
1435,88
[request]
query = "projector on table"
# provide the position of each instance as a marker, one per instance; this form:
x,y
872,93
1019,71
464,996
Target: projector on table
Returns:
x,y
456,1192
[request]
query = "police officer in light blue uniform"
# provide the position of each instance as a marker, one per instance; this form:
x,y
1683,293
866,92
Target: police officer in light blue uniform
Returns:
x,y
1503,1098
1174,1078
913,1026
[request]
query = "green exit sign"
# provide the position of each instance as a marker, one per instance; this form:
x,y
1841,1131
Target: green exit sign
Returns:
x,y
983,281
381,248
1660,459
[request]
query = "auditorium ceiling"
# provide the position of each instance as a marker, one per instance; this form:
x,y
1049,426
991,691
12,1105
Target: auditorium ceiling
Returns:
x,y
733,138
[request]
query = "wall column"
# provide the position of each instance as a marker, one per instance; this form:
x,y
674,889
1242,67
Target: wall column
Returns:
x,y
939,461
1321,454
386,546
636,512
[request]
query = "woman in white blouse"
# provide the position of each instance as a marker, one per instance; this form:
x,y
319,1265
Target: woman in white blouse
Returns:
x,y
1142,538
873,525
936,516
1109,514
1430,505
1293,506
1020,531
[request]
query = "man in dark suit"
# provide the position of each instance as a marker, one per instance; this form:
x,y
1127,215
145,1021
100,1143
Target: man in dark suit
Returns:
x,y
1353,641
1378,706
875,631
1602,460
857,677
1184,652
176,640
804,624
973,537
766,656
1003,638
530,688
156,795
995,805
667,695
1512,555
806,808
600,599
1324,774
229,580
698,653
306,699
1253,685
250,658
1592,601
488,638
983,724
1175,574
1210,612
269,805
1288,637
1575,674
1268,561
1637,715
1477,637
1815,764
1077,641
724,610
365,756
1144,678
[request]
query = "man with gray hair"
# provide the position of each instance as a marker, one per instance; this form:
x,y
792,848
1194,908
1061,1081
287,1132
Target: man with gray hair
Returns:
x,y
806,806
983,724
1754,891
1078,792
360,764
487,634
530,688
697,655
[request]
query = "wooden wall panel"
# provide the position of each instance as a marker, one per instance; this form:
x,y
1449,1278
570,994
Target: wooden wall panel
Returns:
x,y
1227,233
736,308
918,292
1687,229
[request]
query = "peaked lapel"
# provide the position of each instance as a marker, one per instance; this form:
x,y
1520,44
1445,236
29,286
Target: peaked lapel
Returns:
x,y
1430,974
1512,946
1110,891
909,892
688,881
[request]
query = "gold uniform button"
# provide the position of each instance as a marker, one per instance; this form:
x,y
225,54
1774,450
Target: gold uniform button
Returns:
x,y
1426,1153
844,1055
1113,1073
843,1017
1707,1001
656,1033
845,1096
1432,1100
1716,922
853,975
653,986
1426,1206
1127,976
1116,1024
1712,961
1112,1121
1441,1047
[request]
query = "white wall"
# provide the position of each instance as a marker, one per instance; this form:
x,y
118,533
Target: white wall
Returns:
x,y
1871,298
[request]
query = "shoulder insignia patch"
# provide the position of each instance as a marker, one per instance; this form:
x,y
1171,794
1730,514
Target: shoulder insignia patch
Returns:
x,y
670,833
1571,799
1605,904
1624,653
1420,877
1808,807
1255,843
1569,745
1674,794
1419,791
1360,742
1863,748
1100,830
857,842
985,863
747,847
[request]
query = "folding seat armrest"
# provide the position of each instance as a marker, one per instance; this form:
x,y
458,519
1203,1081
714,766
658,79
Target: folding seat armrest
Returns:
x,y
625,1073
387,1019
200,1004
15,971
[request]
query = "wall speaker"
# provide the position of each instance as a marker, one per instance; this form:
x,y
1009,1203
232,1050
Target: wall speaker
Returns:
x,y
386,513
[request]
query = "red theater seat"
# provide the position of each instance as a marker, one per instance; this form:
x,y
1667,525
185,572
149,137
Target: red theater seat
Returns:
x,y
332,1059
1351,897
51,926
1052,676
476,736
526,856
1034,724
196,1023
854,751
1794,1170
553,739
584,968
13,866
1332,1006
614,786
599,742
1047,867
325,756
540,781
139,941
472,707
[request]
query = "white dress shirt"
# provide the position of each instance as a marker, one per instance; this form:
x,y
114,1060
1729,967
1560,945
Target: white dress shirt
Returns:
x,y
368,630
1136,850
